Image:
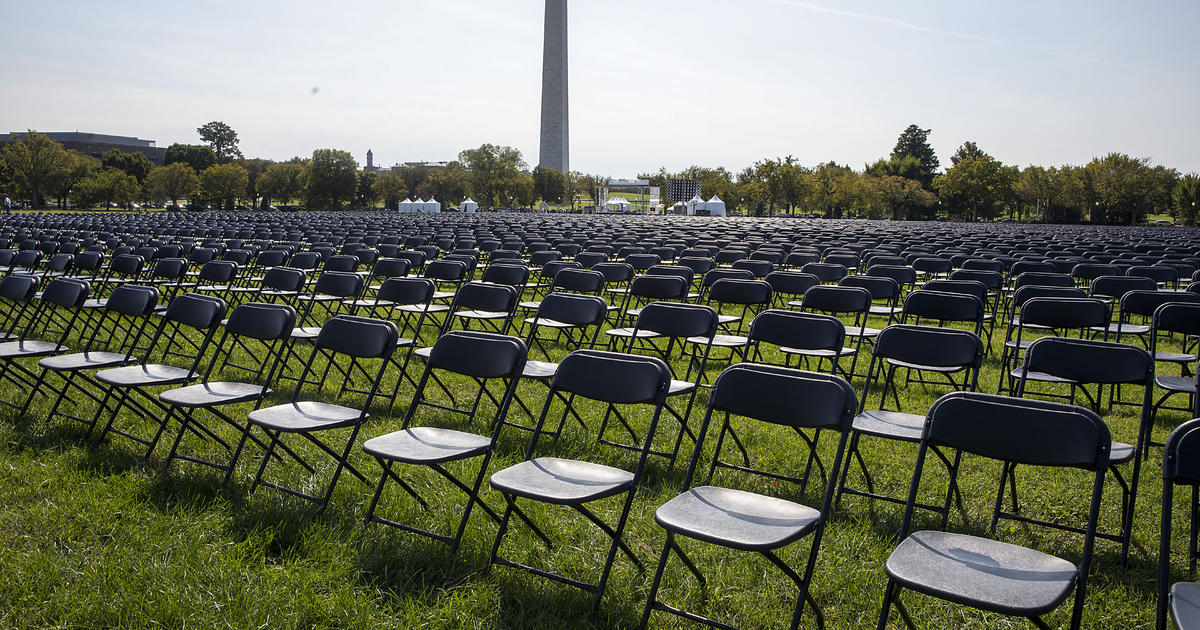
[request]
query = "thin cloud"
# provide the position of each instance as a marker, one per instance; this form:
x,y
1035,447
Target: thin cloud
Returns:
x,y
882,19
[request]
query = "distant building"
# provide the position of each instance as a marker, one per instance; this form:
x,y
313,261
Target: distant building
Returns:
x,y
95,144
370,167
425,164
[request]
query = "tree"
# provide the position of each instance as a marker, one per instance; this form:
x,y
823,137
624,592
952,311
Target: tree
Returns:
x,y
224,183
332,178
135,164
978,185
197,156
255,167
413,176
80,168
449,183
366,196
222,139
108,186
390,188
914,141
1187,199
967,151
492,170
1128,188
549,184
35,164
284,182
900,195
171,182
905,166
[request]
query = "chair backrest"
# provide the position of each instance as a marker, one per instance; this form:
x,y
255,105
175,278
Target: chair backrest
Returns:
x,y
265,322
1090,361
614,272
448,270
127,264
343,284
746,292
358,337
930,345
509,274
963,287
202,312
133,300
902,274
1117,286
284,279
791,282
578,280
827,272
881,287
1064,313
1181,466
942,306
672,319
402,291
769,393
992,280
390,267
835,299
479,354
577,310
1146,303
791,329
218,271
1043,279
659,287
476,296
18,287
67,292
613,377
1178,317
1026,293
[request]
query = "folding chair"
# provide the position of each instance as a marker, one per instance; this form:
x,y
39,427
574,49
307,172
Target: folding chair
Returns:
x,y
803,335
17,293
746,521
1056,315
984,573
482,357
838,301
1181,467
1183,318
926,350
605,377
1078,363
61,294
187,315
345,336
494,304
260,330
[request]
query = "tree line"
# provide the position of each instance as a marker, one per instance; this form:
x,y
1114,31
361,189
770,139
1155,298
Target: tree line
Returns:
x,y
907,184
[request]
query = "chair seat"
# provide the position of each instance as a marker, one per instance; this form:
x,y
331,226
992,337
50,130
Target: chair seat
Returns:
x,y
896,425
628,332
213,394
1040,377
297,417
146,375
540,370
532,306
736,518
678,387
1121,453
1184,384
1126,329
822,353
549,323
980,572
723,341
1185,605
885,311
82,361
728,319
561,481
211,288
366,303
481,314
423,308
32,348
944,369
443,295
427,445
95,303
306,332
1173,357
861,331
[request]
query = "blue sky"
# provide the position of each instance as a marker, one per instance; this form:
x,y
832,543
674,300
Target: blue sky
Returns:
x,y
653,83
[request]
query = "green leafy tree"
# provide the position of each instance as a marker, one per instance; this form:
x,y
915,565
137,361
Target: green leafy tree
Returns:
x,y
222,139
332,178
35,165
979,186
171,182
448,184
413,176
80,168
914,141
967,151
492,171
1187,199
905,166
900,195
224,183
135,164
283,182
255,167
197,156
549,184
365,196
108,187
389,187
1128,188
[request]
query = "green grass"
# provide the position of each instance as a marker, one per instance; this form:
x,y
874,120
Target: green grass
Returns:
x,y
93,535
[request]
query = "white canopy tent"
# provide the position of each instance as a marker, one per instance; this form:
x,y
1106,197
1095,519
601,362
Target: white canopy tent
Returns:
x,y
715,207
468,205
619,204
694,205
433,205
406,206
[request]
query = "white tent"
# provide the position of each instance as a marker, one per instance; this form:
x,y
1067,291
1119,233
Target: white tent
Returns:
x,y
433,205
695,205
468,205
418,205
619,204
406,206
715,207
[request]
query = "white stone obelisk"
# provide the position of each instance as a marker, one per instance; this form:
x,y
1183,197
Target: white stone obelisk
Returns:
x,y
554,145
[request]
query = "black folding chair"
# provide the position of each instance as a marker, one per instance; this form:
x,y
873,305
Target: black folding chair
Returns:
x,y
482,357
1181,318
747,521
187,315
984,573
55,317
260,331
605,377
944,352
356,339
1181,467
793,334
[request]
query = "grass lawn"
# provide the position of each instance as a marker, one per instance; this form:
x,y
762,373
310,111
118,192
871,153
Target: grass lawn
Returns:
x,y
94,535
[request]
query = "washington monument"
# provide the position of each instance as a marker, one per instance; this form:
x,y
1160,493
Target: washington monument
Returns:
x,y
555,137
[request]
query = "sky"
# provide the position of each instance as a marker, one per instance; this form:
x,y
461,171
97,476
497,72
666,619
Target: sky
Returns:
x,y
653,83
